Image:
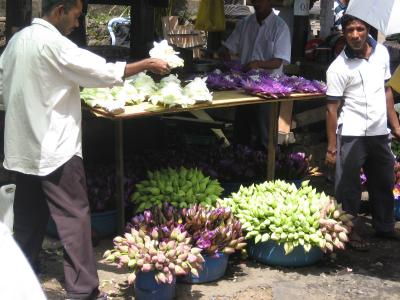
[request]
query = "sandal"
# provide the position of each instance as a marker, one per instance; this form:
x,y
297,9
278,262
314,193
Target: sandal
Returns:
x,y
358,244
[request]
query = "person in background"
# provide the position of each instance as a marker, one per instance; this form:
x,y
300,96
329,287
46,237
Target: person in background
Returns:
x,y
18,281
40,75
339,9
262,41
357,116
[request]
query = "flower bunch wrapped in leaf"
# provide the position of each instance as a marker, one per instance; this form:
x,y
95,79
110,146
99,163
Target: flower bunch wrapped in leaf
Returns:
x,y
213,230
278,211
167,250
335,225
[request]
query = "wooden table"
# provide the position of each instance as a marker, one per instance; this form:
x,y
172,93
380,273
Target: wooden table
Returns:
x,y
220,99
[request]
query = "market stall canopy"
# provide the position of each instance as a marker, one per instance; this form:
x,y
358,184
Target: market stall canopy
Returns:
x,y
384,15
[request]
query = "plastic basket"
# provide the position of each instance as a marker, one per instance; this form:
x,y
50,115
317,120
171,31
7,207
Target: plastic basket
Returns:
x,y
273,254
147,288
214,268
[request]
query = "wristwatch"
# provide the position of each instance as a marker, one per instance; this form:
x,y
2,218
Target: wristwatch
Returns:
x,y
333,152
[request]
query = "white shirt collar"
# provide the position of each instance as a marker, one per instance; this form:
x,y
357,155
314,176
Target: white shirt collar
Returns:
x,y
40,21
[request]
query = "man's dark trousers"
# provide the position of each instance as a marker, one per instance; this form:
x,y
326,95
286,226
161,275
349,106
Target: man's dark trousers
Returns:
x,y
63,194
373,154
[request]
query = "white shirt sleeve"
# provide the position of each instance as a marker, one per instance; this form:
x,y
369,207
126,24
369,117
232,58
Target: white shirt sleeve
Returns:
x,y
336,84
282,47
233,41
84,67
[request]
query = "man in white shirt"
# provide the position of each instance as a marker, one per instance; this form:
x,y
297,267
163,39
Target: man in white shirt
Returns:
x,y
262,41
357,116
40,75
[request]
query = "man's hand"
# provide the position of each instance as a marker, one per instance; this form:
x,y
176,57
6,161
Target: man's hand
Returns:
x,y
396,133
158,66
255,64
330,158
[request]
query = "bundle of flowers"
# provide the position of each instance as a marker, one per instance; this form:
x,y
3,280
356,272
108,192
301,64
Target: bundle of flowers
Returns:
x,y
181,187
213,230
165,250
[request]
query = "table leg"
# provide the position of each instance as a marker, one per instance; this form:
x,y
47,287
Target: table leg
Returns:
x,y
119,175
272,139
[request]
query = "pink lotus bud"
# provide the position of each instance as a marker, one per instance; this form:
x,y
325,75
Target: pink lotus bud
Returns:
x,y
107,253
124,259
118,239
192,258
200,258
194,272
161,258
171,253
195,250
161,277
240,246
154,259
233,243
154,234
185,265
228,250
147,268
329,246
171,266
140,262
170,277
131,278
179,271
171,245
183,256
343,237
123,249
152,251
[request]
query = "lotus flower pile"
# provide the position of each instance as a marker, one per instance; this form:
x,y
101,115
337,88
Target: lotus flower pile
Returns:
x,y
182,188
278,211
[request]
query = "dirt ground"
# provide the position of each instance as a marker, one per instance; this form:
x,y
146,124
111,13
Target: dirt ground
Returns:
x,y
345,275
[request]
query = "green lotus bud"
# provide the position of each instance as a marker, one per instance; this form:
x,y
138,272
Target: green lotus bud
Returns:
x,y
171,266
110,258
132,263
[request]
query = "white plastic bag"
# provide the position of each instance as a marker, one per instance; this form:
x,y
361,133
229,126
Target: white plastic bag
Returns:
x,y
6,205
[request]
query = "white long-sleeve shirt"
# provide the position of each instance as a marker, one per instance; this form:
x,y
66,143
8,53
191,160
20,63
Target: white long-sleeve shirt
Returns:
x,y
40,74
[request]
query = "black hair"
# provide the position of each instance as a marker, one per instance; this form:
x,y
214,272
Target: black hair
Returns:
x,y
346,19
49,5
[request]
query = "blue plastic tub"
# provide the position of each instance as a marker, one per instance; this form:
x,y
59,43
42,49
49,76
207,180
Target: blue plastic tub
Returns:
x,y
214,268
147,288
273,254
104,223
